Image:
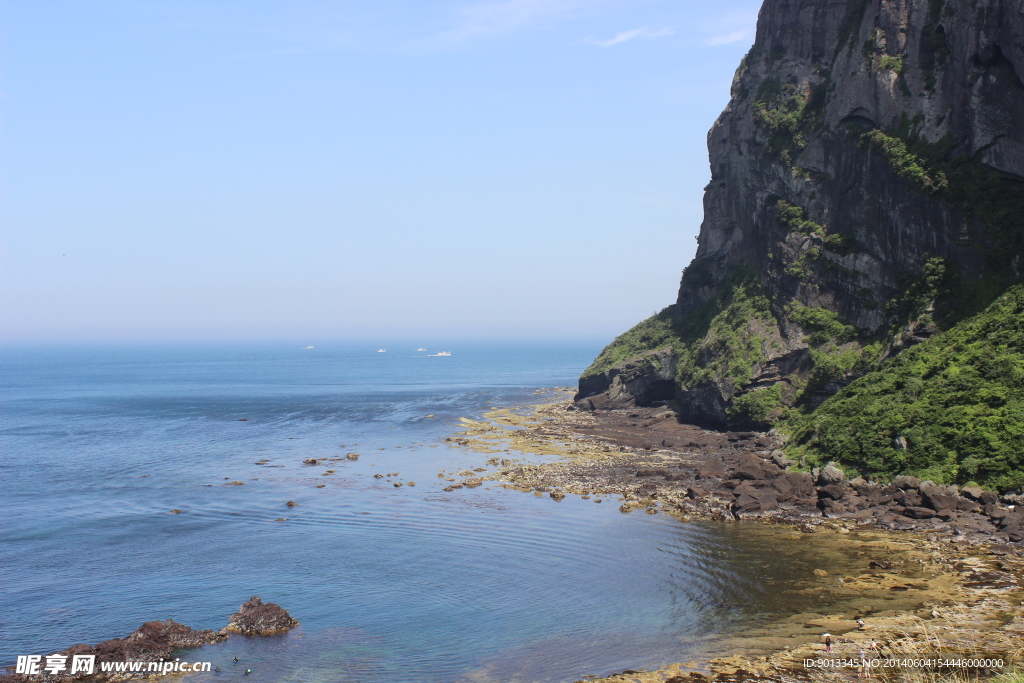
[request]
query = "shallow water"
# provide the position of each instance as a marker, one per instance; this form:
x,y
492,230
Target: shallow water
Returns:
x,y
410,583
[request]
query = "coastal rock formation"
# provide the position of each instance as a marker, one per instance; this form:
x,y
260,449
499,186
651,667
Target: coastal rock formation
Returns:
x,y
643,380
866,198
256,618
154,641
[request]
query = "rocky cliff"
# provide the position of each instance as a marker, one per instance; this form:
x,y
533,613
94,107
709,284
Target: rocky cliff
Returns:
x,y
867,194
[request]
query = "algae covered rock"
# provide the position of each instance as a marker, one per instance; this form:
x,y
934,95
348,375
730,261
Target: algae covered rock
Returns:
x,y
257,618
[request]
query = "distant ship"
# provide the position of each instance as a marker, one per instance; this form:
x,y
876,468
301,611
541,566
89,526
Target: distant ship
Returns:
x,y
421,349
381,350
443,353
306,347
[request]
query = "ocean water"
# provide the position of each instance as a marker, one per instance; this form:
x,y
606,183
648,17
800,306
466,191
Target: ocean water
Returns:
x,y
99,444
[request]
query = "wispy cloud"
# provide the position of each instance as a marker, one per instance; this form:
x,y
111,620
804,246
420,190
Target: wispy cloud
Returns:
x,y
733,37
499,16
642,32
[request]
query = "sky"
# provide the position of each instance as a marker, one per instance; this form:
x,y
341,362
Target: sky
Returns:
x,y
305,169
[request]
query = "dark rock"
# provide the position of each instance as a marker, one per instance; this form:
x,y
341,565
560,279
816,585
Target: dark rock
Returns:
x,y
749,487
771,470
995,513
644,380
880,564
909,498
256,618
655,472
780,459
696,493
783,487
712,469
856,502
154,641
830,475
832,491
905,482
972,492
758,501
919,512
1014,518
803,484
831,508
988,498
939,501
750,468
965,505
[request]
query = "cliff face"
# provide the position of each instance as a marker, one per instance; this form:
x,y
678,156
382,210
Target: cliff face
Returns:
x,y
867,192
866,195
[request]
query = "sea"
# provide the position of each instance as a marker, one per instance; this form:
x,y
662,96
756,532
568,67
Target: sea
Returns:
x,y
118,471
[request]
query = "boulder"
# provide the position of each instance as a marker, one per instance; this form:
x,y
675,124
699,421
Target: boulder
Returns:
x,y
256,618
905,482
750,468
830,475
972,493
757,501
832,491
831,508
783,487
803,484
909,498
915,512
988,498
938,500
780,459
965,505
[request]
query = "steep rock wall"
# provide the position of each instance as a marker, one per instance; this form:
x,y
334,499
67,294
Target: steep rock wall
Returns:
x,y
867,190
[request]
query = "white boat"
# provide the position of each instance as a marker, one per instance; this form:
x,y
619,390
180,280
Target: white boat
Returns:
x,y
421,349
443,353
381,350
306,347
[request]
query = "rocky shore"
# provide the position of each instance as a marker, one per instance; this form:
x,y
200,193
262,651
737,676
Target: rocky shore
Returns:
x,y
158,641
954,556
651,461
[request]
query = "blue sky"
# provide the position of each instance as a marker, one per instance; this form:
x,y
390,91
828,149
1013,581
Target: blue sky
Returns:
x,y
305,169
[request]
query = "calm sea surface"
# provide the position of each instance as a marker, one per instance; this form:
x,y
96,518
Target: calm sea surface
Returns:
x,y
98,445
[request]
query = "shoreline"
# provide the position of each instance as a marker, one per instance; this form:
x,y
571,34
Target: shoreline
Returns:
x,y
960,575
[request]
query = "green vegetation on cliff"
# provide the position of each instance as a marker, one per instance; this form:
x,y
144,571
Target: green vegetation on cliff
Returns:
x,y
732,344
788,115
957,400
719,329
657,332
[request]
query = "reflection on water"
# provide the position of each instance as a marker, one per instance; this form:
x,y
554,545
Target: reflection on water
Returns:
x,y
409,583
